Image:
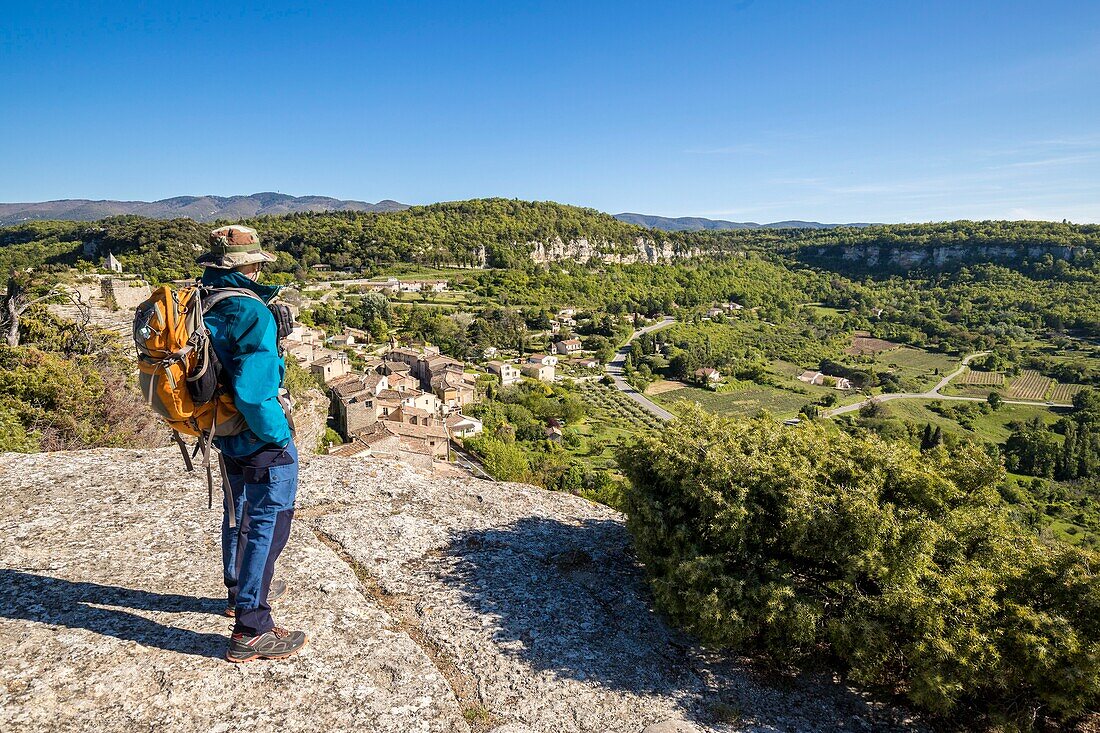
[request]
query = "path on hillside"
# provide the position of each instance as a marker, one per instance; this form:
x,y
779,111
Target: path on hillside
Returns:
x,y
934,394
614,369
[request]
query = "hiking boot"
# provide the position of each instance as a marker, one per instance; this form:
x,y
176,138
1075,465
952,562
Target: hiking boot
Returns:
x,y
275,644
277,589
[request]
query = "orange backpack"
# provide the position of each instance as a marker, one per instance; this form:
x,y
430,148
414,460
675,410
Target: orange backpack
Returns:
x,y
178,369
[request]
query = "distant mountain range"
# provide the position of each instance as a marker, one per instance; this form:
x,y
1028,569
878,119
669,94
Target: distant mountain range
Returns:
x,y
695,223
210,208
199,208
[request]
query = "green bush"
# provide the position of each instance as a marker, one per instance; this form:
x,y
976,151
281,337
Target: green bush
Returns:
x,y
897,566
50,401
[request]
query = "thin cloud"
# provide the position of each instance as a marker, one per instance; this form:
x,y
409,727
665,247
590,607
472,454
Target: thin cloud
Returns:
x,y
1048,162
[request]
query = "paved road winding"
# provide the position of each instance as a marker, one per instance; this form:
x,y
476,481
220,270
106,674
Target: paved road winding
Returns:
x,y
614,368
934,394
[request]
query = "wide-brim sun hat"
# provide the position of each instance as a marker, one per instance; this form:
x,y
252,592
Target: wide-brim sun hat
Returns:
x,y
234,246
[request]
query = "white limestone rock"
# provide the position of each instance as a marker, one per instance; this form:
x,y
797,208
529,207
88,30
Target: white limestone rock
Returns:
x,y
434,603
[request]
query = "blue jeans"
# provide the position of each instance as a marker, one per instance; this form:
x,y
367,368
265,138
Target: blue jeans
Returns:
x,y
264,486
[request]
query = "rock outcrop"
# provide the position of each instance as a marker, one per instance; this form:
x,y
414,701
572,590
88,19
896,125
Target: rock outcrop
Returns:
x,y
435,602
905,257
642,250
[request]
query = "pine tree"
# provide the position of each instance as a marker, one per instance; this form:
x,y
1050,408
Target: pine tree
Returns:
x,y
1086,453
1067,463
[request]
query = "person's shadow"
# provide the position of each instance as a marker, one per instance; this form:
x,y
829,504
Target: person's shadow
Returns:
x,y
77,605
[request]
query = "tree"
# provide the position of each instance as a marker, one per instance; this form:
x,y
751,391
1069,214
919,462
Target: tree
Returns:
x,y
17,300
803,542
504,461
374,306
994,400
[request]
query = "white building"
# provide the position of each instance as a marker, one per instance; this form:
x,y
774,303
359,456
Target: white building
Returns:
x,y
543,359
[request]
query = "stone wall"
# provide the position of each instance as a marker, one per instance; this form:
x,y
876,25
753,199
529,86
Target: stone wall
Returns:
x,y
127,294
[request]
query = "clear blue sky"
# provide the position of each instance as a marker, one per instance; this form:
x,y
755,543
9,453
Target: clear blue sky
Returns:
x,y
834,111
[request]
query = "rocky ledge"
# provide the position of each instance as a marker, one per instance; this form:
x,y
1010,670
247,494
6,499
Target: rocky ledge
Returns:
x,y
435,602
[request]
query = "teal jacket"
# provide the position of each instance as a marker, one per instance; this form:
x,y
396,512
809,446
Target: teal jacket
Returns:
x,y
243,334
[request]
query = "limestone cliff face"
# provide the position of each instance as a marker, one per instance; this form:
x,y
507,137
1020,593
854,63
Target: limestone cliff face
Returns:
x,y
905,257
435,603
583,250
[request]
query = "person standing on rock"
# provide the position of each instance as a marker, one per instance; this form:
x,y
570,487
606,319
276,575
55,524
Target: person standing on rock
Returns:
x,y
261,463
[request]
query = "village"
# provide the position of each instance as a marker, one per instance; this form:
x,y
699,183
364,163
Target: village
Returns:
x,y
391,395
408,399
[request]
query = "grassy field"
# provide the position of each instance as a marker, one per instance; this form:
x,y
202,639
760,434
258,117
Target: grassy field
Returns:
x,y
991,428
825,311
919,370
413,272
969,390
447,297
744,402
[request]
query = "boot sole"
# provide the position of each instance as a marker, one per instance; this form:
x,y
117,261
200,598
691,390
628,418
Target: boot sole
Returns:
x,y
256,656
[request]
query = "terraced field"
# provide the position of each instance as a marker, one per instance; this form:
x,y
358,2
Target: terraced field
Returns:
x,y
1029,385
982,379
1064,393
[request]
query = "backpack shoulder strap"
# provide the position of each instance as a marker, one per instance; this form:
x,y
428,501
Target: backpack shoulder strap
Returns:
x,y
213,296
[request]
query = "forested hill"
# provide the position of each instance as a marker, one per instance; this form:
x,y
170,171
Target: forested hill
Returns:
x,y
494,232
509,233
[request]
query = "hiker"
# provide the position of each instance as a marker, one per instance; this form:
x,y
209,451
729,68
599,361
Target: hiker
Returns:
x,y
260,463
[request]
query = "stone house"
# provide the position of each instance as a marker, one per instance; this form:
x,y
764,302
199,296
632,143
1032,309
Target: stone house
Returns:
x,y
708,375
508,373
824,380
353,400
330,367
568,346
302,352
433,367
414,416
539,371
455,389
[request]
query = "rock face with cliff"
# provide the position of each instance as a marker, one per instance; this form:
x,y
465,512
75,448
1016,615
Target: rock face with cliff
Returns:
x,y
905,257
435,602
643,250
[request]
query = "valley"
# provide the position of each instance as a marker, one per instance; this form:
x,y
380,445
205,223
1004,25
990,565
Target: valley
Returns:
x,y
544,344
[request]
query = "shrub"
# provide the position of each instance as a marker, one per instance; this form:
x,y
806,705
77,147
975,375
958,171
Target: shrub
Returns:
x,y
50,401
897,566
